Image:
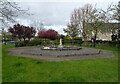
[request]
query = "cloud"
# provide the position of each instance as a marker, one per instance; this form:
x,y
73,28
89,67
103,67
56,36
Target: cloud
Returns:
x,y
54,12
50,12
58,28
88,1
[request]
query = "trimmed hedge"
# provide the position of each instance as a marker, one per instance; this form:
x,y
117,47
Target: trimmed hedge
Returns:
x,y
105,43
76,41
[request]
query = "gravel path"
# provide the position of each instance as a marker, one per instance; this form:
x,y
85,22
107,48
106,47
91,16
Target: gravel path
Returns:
x,y
56,55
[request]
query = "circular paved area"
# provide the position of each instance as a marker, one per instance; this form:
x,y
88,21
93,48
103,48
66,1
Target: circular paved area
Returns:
x,y
57,55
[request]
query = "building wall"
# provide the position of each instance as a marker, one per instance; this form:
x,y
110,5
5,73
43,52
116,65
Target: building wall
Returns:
x,y
105,36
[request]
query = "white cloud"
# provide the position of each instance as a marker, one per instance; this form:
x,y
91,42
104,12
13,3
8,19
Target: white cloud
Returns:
x,y
55,13
24,22
88,1
58,28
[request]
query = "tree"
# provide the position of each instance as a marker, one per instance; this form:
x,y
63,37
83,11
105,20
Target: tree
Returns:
x,y
101,22
29,32
116,16
72,30
95,23
116,11
17,31
38,25
81,18
8,12
21,31
48,34
112,18
42,33
51,34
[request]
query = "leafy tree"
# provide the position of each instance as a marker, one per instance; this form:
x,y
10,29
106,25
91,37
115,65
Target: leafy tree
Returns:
x,y
48,34
21,31
42,33
29,32
17,31
72,30
51,34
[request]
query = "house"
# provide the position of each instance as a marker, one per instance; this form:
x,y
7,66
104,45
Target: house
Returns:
x,y
106,30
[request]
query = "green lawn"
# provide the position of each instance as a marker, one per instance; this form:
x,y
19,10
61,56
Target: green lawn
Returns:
x,y
0,63
18,69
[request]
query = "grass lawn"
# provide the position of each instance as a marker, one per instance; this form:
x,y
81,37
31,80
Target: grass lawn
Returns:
x,y
19,69
0,63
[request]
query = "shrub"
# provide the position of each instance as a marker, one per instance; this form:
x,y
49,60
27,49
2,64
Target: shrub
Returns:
x,y
105,43
76,41
20,44
26,42
35,42
56,42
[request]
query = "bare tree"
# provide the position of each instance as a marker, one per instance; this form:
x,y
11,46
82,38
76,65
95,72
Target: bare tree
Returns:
x,y
116,16
38,25
81,17
116,10
8,12
110,16
104,19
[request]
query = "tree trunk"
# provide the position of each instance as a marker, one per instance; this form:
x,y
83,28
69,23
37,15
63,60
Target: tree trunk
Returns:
x,y
24,39
94,44
84,34
20,39
85,41
119,37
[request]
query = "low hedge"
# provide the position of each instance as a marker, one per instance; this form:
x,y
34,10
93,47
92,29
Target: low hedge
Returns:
x,y
105,43
33,42
20,44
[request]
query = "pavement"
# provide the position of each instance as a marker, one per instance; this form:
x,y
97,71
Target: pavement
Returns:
x,y
57,55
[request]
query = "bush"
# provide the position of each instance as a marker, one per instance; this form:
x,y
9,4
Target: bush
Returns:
x,y
76,41
35,42
105,43
20,44
56,42
26,42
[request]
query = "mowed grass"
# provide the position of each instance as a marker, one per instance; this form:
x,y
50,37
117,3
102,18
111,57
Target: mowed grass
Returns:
x,y
0,63
19,69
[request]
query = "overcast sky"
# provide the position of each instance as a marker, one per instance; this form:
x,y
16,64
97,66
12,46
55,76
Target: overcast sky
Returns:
x,y
55,13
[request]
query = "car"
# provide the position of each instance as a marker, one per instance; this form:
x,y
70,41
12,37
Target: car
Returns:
x,y
11,42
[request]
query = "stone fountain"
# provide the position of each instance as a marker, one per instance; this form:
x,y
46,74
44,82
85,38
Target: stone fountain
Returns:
x,y
61,47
